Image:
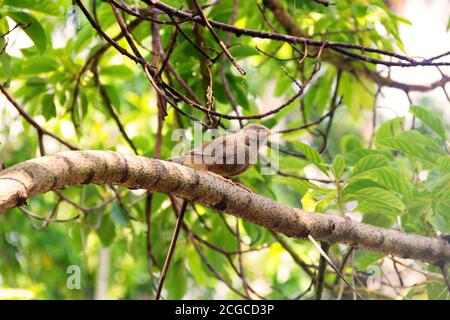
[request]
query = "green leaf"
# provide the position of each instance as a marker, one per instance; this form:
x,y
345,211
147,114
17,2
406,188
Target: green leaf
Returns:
x,y
252,230
303,185
176,282
5,59
5,70
243,51
431,119
414,144
39,64
47,6
375,200
83,38
119,216
4,28
364,259
117,71
356,94
379,220
239,89
338,166
419,202
80,110
444,163
411,293
441,191
48,106
356,185
113,96
312,155
219,262
197,268
319,93
426,140
432,179
327,201
441,217
34,30
106,231
308,202
349,143
355,155
388,129
78,234
437,290
391,179
369,162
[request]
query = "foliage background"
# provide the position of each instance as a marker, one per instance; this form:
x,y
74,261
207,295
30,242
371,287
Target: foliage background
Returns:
x,y
398,177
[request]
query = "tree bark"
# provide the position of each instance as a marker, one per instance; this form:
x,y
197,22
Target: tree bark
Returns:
x,y
39,175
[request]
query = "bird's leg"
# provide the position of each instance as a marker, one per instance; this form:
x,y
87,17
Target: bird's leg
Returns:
x,y
230,181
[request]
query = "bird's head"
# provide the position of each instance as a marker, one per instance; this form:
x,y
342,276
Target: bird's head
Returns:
x,y
259,128
256,133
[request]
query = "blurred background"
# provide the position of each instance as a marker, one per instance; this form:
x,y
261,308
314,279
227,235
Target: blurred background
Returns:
x,y
35,265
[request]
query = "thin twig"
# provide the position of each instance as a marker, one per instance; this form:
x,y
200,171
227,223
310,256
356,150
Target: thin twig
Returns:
x,y
321,271
217,38
31,121
445,274
342,48
293,254
109,106
173,243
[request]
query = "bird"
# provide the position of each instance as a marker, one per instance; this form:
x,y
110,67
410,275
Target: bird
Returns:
x,y
227,156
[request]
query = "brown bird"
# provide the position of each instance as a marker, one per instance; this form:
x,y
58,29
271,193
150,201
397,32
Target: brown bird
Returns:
x,y
227,156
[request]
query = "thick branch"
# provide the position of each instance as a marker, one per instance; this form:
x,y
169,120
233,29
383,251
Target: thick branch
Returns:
x,y
65,169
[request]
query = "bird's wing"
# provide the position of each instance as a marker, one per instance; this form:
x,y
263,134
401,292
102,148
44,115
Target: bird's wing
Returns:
x,y
197,151
194,158
200,150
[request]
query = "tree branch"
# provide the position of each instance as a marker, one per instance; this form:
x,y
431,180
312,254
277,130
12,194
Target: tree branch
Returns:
x,y
217,38
292,28
39,175
403,61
